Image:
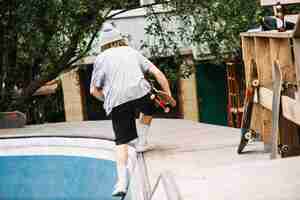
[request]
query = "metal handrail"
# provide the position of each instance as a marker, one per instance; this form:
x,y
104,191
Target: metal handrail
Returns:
x,y
169,185
138,178
140,174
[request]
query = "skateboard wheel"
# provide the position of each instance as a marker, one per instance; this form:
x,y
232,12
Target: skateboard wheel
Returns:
x,y
248,135
255,83
167,109
152,96
285,148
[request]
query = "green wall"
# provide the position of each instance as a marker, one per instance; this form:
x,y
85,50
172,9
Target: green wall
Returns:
x,y
212,93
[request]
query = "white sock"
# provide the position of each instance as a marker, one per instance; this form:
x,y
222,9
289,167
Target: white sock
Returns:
x,y
122,174
142,134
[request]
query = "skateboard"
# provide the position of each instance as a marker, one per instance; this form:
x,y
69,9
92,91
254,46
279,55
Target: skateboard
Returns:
x,y
289,132
248,134
162,99
13,119
276,102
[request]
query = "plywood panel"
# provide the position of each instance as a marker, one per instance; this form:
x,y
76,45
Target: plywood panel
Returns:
x,y
280,49
269,34
248,55
263,61
72,96
265,98
266,128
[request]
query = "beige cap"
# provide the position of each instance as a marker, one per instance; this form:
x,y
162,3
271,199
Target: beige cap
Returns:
x,y
108,34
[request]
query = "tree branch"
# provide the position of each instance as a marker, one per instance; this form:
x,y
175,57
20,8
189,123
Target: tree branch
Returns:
x,y
98,26
135,7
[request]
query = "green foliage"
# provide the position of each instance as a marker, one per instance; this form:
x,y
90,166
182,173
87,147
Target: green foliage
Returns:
x,y
212,26
42,38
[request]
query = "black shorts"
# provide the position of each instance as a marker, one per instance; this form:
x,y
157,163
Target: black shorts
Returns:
x,y
124,115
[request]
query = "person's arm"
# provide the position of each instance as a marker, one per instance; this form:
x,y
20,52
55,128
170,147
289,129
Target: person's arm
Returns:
x,y
148,67
97,80
161,79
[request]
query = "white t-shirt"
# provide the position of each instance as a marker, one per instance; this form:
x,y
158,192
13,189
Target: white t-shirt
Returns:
x,y
119,72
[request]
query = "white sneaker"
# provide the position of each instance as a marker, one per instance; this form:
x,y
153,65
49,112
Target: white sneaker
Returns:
x,y
140,148
123,180
120,189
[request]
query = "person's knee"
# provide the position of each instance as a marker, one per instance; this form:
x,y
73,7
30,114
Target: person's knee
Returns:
x,y
145,119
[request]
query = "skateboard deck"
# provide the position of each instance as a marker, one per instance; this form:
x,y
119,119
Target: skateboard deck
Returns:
x,y
296,32
162,99
246,133
277,88
296,51
13,119
289,131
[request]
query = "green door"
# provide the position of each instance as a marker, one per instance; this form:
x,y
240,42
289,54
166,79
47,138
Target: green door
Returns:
x,y
212,95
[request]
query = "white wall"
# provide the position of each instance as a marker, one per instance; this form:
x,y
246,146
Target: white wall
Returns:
x,y
133,24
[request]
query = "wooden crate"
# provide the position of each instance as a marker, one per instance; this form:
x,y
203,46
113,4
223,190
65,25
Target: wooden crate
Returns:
x,y
266,47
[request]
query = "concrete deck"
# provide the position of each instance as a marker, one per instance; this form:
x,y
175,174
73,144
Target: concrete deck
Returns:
x,y
205,164
201,157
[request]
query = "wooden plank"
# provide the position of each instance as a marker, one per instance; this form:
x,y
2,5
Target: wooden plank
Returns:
x,y
248,55
291,109
263,61
274,2
280,49
269,34
266,128
73,101
265,97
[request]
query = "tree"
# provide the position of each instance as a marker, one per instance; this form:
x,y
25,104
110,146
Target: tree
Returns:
x,y
213,26
42,38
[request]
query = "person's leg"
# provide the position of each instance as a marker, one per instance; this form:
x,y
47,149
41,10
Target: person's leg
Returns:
x,y
144,126
124,127
122,171
146,106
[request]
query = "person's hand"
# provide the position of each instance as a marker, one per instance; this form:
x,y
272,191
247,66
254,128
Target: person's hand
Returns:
x,y
168,92
97,93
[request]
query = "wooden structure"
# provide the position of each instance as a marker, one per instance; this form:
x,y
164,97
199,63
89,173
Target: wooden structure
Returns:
x,y
266,47
188,102
235,96
74,100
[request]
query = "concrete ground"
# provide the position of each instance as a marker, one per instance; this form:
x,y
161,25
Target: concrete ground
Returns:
x,y
205,164
202,159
